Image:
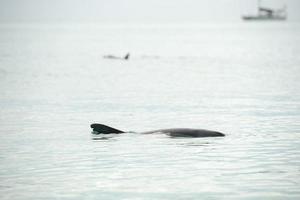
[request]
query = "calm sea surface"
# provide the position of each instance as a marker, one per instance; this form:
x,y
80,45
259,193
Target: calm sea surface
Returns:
x,y
242,79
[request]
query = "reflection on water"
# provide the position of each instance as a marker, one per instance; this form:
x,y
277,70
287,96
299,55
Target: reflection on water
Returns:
x,y
101,138
194,144
240,79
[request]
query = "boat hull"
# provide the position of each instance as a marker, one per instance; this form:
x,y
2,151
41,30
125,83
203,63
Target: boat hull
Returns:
x,y
263,18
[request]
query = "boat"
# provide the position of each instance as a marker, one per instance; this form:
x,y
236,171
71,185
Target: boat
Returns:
x,y
264,13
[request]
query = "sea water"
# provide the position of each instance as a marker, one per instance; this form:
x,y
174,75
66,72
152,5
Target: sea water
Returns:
x,y
241,79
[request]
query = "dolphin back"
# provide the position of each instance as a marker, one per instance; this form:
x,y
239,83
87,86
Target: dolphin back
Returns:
x,y
187,132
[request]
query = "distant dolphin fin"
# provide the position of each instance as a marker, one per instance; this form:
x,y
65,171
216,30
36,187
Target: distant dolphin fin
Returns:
x,y
126,57
101,128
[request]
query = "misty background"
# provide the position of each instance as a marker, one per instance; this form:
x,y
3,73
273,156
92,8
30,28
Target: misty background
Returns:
x,y
137,10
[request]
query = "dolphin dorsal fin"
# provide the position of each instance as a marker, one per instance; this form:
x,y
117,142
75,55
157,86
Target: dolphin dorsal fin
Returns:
x,y
127,56
101,128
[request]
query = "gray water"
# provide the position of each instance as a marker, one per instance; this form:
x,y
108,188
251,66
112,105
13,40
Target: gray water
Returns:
x,y
240,79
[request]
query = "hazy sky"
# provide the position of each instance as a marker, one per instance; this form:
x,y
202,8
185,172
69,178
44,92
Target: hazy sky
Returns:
x,y
136,10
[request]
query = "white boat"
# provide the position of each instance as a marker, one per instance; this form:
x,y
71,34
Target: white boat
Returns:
x,y
264,13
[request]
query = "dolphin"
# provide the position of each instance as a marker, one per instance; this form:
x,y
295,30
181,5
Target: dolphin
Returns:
x,y
126,57
173,132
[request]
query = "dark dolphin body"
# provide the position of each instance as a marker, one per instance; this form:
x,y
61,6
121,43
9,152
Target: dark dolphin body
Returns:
x,y
175,132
